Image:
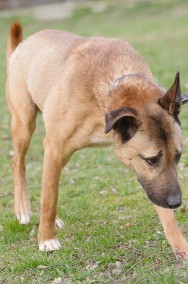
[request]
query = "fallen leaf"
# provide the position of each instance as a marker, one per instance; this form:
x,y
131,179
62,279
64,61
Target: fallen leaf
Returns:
x,y
114,190
57,280
42,267
102,192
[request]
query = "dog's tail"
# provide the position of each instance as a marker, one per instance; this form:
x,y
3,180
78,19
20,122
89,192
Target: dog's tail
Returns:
x,y
14,38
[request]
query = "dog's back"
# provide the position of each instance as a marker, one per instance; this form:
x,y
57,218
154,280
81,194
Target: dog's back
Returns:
x,y
50,56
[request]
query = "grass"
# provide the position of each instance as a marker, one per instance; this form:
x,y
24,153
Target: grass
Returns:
x,y
111,233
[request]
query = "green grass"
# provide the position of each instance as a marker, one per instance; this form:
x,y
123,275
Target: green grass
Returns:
x,y
111,233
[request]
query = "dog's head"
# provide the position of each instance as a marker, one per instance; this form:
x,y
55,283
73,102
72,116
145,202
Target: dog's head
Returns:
x,y
148,140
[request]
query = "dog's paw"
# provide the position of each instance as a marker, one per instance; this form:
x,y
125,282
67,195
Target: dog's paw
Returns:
x,y
50,245
24,218
22,209
181,254
59,223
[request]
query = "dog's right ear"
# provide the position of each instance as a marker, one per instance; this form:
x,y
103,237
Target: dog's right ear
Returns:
x,y
124,120
172,100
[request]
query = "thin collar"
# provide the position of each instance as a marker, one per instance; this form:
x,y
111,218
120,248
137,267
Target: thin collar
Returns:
x,y
120,79
184,99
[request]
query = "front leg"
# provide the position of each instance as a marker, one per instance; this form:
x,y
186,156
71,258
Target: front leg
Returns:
x,y
173,233
54,160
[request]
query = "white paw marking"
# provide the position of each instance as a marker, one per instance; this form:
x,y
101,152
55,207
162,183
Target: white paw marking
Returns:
x,y
181,254
24,218
59,223
50,245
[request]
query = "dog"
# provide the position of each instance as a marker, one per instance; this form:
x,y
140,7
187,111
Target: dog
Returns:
x,y
92,92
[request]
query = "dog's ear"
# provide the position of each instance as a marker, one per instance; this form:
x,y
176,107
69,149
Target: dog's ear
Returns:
x,y
172,98
123,120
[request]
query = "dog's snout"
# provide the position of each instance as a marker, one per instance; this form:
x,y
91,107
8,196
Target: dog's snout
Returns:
x,y
174,200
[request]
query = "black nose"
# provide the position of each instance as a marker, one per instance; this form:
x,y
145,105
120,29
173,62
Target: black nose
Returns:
x,y
174,200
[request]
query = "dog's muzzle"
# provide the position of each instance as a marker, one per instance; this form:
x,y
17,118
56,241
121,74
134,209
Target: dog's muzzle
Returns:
x,y
164,197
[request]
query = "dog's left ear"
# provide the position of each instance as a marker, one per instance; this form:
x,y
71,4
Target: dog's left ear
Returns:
x,y
172,99
123,120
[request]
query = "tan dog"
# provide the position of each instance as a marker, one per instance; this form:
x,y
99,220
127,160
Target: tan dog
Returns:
x,y
92,91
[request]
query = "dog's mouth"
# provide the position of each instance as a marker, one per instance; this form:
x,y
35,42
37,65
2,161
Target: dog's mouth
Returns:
x,y
170,200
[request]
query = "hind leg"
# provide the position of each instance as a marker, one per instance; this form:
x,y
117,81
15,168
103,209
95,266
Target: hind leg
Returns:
x,y
23,113
21,134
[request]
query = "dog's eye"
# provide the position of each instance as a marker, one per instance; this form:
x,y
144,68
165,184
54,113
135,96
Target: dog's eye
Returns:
x,y
153,161
178,156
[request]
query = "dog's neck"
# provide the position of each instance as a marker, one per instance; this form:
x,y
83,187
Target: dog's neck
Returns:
x,y
132,90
